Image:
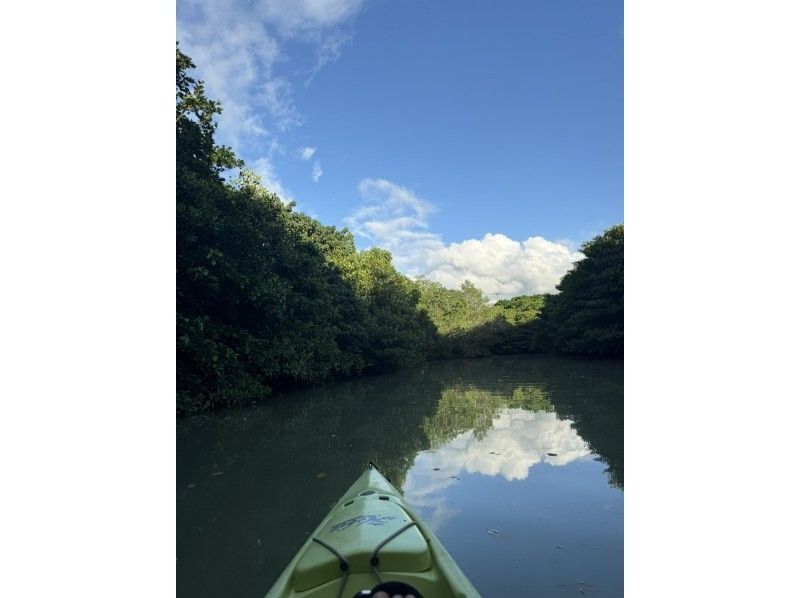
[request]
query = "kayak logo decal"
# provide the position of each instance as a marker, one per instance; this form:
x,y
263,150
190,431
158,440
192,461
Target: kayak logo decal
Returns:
x,y
361,520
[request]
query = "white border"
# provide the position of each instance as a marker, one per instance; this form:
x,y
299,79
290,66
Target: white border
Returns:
x,y
88,277
711,180
87,306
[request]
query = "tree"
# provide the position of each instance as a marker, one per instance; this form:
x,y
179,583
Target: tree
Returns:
x,y
587,316
195,124
399,333
268,297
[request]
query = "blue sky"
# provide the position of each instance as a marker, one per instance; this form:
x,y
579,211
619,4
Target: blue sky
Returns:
x,y
476,140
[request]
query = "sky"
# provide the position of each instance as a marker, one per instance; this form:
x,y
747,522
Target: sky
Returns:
x,y
475,140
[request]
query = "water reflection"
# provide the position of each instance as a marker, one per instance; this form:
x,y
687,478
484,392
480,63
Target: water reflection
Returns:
x,y
587,393
479,431
461,438
517,440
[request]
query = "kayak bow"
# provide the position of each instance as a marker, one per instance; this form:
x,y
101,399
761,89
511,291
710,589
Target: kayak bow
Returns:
x,y
371,536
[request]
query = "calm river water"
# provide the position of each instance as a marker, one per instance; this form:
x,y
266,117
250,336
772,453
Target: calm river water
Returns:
x,y
515,462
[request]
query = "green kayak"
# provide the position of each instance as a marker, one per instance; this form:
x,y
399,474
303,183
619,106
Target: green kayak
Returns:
x,y
371,537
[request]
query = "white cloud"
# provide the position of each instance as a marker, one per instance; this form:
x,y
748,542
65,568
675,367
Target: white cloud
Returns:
x,y
316,171
502,267
395,218
234,57
239,49
306,153
293,16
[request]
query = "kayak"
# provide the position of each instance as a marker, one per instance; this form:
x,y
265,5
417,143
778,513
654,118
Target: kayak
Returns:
x,y
372,540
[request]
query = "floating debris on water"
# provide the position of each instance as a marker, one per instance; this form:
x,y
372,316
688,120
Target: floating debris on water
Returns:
x,y
580,587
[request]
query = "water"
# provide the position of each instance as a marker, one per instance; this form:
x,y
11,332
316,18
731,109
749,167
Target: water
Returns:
x,y
515,462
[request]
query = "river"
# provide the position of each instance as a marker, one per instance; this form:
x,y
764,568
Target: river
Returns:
x,y
515,462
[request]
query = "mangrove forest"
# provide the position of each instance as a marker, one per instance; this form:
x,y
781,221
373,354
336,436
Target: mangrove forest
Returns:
x,y
270,298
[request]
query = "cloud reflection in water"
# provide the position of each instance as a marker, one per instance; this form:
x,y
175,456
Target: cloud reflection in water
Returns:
x,y
517,441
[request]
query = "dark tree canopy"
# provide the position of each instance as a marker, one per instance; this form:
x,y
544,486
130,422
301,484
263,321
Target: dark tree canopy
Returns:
x,y
266,296
587,316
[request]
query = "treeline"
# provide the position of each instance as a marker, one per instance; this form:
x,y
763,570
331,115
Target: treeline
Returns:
x,y
468,325
586,317
268,297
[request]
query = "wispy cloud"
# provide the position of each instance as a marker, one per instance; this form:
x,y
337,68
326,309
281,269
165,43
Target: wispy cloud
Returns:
x,y
235,57
239,47
306,153
293,17
328,51
276,96
316,171
264,168
394,217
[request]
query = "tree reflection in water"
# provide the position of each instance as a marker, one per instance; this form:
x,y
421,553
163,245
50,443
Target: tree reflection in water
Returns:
x,y
581,398
252,483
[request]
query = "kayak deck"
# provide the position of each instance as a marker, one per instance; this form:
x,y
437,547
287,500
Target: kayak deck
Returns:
x,y
371,535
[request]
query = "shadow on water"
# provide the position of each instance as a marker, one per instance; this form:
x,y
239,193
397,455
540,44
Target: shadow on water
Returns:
x,y
252,483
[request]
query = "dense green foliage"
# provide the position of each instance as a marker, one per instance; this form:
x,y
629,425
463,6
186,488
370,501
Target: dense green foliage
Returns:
x,y
269,297
469,326
587,315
